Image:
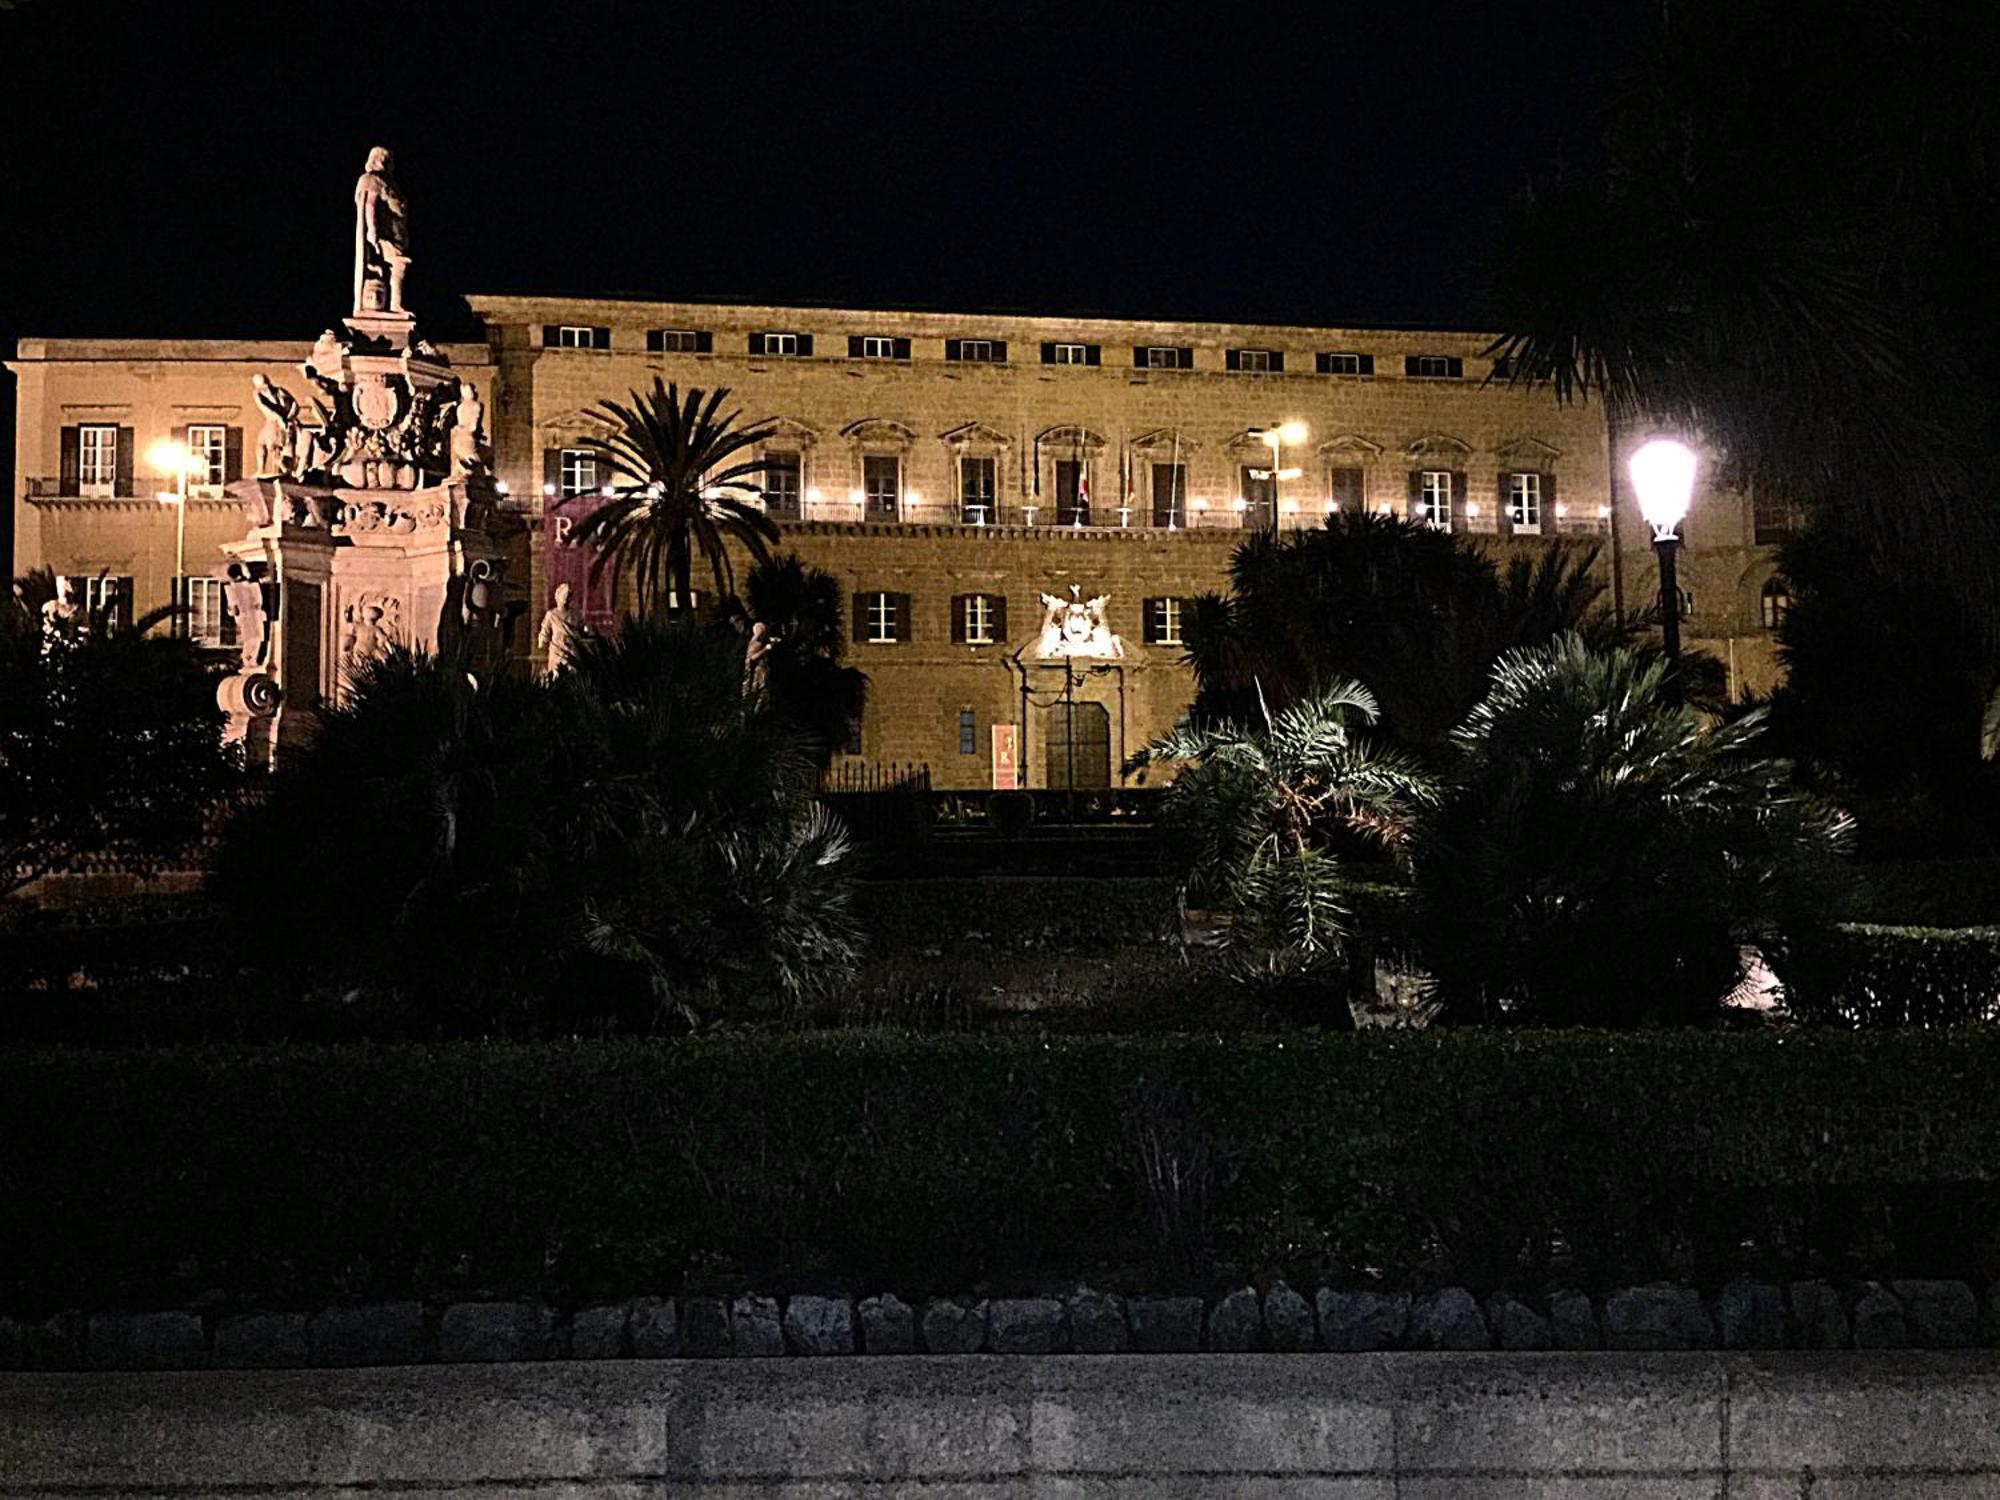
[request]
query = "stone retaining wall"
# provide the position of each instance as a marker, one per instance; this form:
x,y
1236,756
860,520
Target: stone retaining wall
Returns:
x,y
1277,1319
1492,1426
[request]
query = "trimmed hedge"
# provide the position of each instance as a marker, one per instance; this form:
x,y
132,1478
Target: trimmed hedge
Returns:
x,y
1863,975
1073,912
593,1169
1924,893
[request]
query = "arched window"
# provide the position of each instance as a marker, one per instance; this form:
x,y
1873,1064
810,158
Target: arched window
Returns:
x,y
1775,602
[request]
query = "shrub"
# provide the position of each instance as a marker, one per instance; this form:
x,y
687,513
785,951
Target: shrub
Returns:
x,y
1602,854
603,1168
1864,975
1053,912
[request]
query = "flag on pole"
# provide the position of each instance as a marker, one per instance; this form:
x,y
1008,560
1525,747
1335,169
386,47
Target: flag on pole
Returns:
x,y
1082,492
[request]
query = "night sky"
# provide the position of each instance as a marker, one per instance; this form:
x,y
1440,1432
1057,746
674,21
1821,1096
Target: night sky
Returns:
x,y
186,168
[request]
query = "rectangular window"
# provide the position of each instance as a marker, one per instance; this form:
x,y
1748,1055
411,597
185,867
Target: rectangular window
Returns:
x,y
852,745
1524,503
1260,496
1433,366
208,444
978,619
882,619
1253,361
106,592
1166,357
976,351
976,488
1347,364
782,490
874,347
1071,354
208,621
1072,493
1170,494
579,472
678,341
968,732
1434,497
97,458
1163,622
1774,517
573,336
1344,489
786,344
882,486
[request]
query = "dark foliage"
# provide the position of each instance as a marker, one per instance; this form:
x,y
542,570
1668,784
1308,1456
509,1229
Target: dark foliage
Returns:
x,y
802,606
110,745
627,845
1601,854
1894,976
604,1169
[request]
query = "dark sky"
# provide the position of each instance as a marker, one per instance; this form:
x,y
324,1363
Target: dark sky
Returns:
x,y
185,168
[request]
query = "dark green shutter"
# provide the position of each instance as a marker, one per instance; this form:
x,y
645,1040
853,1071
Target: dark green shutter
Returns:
x,y
756,343
958,605
1048,353
121,613
1323,363
552,472
805,346
1149,628
1139,354
1458,490
1549,526
954,349
1091,353
704,342
600,338
232,454
1367,363
1503,502
71,470
1187,357
551,336
1232,359
1456,366
127,460
902,616
999,351
854,342
1416,491
656,341
1410,366
1277,361
860,617
901,348
998,603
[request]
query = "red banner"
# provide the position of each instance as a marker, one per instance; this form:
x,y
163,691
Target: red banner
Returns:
x,y
1006,757
568,562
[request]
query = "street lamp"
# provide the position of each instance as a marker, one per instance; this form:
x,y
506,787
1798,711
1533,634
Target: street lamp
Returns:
x,y
1277,436
1663,474
170,457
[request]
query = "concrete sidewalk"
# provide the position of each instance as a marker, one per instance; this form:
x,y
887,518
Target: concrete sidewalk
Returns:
x,y
1779,1426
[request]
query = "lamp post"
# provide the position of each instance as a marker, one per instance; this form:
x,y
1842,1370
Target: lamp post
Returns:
x,y
1663,474
170,457
1277,436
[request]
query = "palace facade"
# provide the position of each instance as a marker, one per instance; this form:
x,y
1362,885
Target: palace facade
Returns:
x,y
954,471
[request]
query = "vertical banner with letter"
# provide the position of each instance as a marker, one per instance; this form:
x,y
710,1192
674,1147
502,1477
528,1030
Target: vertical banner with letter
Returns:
x,y
1006,757
569,562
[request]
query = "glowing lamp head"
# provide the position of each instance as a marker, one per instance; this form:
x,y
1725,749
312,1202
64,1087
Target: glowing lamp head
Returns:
x,y
1292,432
169,457
1239,503
1663,474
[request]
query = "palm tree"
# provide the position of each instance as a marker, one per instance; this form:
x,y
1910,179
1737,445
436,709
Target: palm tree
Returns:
x,y
1601,852
1268,807
802,608
685,489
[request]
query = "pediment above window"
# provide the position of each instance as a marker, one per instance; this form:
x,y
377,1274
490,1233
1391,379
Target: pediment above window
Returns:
x,y
1071,436
1350,444
572,427
1528,453
975,435
1165,440
1440,445
788,432
879,432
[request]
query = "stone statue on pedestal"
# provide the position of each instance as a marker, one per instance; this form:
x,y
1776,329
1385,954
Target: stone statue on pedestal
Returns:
x,y
757,662
245,598
277,439
1077,627
381,237
563,632
62,617
468,430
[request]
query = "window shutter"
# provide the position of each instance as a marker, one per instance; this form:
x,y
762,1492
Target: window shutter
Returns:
x,y
1091,353
552,471
1549,526
997,603
179,433
1186,361
127,455
656,341
550,337
704,342
860,617
1503,502
1049,352
959,602
232,454
902,348
902,616
1367,363
1323,363
1456,366
69,445
805,346
600,338
854,346
1139,353
1149,616
121,613
756,343
1416,490
1232,359
954,349
999,351
1410,365
1458,500
1277,361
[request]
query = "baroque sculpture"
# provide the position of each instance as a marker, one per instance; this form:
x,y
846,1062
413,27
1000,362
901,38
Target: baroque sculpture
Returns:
x,y
757,662
563,632
62,617
1077,627
277,439
244,597
381,236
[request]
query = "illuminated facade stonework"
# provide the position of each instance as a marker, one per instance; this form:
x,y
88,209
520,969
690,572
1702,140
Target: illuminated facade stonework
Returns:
x,y
950,470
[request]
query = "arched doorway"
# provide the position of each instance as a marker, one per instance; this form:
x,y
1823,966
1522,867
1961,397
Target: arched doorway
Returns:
x,y
1079,758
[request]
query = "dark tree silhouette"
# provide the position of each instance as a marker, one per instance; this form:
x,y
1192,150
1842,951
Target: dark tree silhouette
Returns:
x,y
803,608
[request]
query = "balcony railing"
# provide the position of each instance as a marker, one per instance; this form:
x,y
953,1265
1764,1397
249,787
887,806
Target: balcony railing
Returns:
x,y
142,487
1197,515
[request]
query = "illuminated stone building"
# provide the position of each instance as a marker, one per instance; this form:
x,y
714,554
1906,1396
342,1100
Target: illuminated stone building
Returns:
x,y
951,470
